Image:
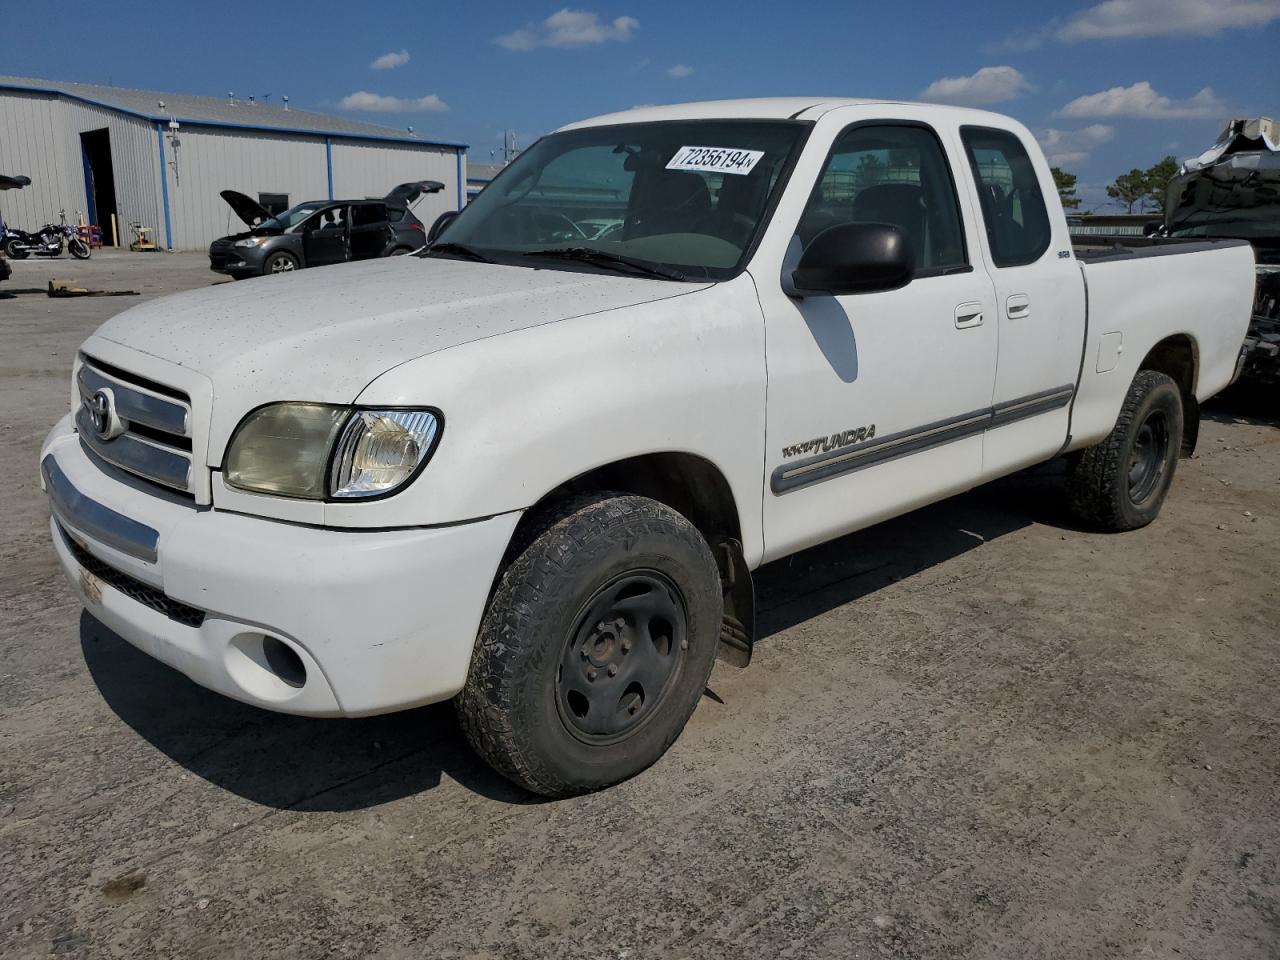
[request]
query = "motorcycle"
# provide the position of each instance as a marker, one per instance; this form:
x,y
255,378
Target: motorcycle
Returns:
x,y
48,241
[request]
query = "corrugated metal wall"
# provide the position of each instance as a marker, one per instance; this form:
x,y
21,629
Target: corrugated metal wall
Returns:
x,y
371,169
40,137
211,159
135,165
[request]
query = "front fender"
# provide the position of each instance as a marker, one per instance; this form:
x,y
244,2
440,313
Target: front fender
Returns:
x,y
528,410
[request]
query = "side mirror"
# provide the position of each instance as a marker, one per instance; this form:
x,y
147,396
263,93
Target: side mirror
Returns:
x,y
442,221
854,258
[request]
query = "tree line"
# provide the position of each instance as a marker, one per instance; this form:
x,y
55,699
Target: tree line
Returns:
x,y
1137,191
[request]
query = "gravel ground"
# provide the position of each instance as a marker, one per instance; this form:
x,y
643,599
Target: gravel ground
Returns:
x,y
976,731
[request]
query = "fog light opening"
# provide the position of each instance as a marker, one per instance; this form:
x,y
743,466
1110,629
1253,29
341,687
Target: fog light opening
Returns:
x,y
284,662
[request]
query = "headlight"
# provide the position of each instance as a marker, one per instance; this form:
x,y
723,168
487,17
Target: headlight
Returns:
x,y
252,241
380,450
317,451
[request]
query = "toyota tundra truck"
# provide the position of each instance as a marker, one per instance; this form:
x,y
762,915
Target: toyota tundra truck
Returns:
x,y
532,467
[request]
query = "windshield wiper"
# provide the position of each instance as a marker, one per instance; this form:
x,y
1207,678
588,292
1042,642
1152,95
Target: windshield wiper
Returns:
x,y
602,259
461,249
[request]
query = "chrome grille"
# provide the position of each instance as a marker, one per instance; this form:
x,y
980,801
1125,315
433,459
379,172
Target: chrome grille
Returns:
x,y
147,432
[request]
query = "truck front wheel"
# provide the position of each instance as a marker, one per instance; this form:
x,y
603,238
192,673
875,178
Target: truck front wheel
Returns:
x,y
596,646
1121,483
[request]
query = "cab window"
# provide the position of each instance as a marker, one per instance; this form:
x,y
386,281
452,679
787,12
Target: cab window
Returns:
x,y
1013,209
896,174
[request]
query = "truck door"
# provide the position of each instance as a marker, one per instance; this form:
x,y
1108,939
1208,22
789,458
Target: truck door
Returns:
x,y
1040,299
877,401
324,237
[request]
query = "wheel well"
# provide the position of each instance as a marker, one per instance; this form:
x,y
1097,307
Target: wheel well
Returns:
x,y
1178,358
687,483
695,488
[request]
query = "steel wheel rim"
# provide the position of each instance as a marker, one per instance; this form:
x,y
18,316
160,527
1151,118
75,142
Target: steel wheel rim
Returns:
x,y
1147,462
623,655
281,265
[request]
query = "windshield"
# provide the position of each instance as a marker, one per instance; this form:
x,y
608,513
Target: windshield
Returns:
x,y
686,198
290,218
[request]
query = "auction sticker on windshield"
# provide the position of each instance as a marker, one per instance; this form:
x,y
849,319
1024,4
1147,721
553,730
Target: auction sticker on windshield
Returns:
x,y
715,159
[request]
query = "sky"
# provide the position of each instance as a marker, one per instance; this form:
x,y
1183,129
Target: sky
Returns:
x,y
1105,86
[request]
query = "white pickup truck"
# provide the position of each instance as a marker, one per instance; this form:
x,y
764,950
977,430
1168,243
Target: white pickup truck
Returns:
x,y
533,466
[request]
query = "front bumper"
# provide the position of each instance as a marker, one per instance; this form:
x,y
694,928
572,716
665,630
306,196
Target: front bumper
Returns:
x,y
380,620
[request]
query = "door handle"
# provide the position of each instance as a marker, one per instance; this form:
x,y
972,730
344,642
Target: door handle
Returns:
x,y
1018,307
968,315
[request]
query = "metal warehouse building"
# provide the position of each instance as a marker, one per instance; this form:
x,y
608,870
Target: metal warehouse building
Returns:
x,y
96,150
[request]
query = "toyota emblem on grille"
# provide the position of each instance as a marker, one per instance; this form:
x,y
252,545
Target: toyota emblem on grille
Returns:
x,y
101,408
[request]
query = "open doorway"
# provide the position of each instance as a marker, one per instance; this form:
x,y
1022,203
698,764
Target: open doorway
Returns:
x,y
99,179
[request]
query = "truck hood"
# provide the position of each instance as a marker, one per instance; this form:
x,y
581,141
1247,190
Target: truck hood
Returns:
x,y
323,335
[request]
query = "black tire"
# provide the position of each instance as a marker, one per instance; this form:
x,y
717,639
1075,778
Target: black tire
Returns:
x,y
400,251
13,249
79,249
279,262
1121,483
541,646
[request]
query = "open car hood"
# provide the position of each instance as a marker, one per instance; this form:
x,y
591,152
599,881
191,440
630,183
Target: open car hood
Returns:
x,y
1237,178
246,208
408,193
14,183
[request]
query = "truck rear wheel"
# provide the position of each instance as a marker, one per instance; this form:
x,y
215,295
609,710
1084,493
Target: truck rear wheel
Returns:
x,y
596,646
1121,483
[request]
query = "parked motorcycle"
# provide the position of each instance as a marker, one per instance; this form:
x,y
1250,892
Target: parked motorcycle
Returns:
x,y
48,241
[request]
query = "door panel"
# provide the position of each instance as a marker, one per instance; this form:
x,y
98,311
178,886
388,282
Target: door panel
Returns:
x,y
370,232
877,401
324,238
1041,296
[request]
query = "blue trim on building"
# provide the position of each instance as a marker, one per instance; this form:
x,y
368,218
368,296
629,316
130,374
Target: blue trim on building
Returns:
x,y
164,188
328,162
462,187
258,128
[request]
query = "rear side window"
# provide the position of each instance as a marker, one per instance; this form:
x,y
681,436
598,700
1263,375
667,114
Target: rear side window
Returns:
x,y
1013,209
369,213
895,174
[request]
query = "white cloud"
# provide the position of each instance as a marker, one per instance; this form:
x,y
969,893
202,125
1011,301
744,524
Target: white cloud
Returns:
x,y
988,85
378,103
569,28
389,61
680,71
1142,100
1117,19
1065,147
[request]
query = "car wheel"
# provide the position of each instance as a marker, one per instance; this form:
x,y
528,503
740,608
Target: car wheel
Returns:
x,y
280,263
1121,483
596,646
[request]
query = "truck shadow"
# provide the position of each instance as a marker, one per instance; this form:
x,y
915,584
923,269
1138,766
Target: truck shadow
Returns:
x,y
293,763
1257,404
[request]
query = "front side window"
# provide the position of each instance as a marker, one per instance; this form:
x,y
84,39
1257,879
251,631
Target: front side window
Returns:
x,y
1013,209
689,198
894,174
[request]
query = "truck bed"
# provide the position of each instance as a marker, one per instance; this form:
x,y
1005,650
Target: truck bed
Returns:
x,y
1196,293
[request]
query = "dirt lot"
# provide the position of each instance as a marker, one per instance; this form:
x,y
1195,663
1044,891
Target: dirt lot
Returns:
x,y
972,732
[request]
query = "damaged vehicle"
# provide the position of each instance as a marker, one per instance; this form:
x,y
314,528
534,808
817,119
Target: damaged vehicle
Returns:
x,y
320,232
8,183
1232,191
